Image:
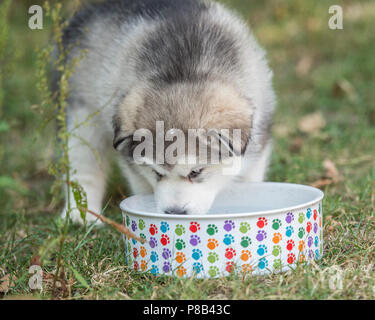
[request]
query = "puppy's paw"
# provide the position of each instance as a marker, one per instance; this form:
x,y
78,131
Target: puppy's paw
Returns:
x,y
75,217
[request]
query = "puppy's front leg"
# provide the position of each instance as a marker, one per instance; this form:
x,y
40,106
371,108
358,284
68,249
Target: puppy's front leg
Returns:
x,y
88,166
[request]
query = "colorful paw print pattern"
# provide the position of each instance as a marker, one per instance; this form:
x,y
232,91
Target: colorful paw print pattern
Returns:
x,y
213,248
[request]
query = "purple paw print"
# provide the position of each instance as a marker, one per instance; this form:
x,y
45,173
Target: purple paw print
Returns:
x,y
311,254
153,242
315,227
167,267
310,241
195,240
134,225
261,235
289,217
228,225
166,254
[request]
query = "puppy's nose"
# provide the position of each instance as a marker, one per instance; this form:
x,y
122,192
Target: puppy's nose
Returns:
x,y
175,211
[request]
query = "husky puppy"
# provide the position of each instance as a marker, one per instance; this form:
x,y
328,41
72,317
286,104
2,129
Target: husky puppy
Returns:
x,y
186,63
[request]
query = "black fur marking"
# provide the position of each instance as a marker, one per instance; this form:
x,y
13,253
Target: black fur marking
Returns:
x,y
175,51
122,10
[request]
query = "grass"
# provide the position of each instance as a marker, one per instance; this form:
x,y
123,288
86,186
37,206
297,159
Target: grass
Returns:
x,y
310,62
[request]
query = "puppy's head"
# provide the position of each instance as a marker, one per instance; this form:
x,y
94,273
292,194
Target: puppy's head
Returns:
x,y
186,140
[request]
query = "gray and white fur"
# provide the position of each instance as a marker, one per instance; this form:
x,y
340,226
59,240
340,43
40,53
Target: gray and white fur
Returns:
x,y
189,63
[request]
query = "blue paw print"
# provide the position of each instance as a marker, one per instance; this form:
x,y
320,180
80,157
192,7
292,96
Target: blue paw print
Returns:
x,y
154,256
198,267
164,227
154,269
263,263
228,239
289,231
308,213
316,241
262,249
134,242
317,254
197,254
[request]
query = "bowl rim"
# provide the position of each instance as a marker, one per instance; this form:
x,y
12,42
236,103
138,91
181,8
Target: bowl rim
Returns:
x,y
319,198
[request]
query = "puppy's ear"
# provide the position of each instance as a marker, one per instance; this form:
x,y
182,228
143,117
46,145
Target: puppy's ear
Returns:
x,y
120,141
121,138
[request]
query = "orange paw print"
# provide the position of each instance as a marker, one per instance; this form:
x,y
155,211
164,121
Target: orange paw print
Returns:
x,y
247,268
320,222
180,257
245,255
277,238
302,258
212,244
143,251
181,271
301,245
143,265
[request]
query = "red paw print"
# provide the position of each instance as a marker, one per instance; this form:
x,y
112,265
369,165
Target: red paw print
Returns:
x,y
262,222
153,229
194,227
315,214
290,245
230,266
291,258
135,253
230,253
308,227
164,240
136,266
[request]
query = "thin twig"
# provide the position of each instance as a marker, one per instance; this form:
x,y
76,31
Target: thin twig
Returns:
x,y
119,227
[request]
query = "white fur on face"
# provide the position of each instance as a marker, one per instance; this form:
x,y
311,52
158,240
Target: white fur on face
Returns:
x,y
193,197
175,191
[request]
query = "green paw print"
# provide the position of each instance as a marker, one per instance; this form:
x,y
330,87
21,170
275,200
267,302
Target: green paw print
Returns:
x,y
127,221
212,257
301,232
212,229
180,230
301,217
245,242
180,244
276,251
141,224
129,247
277,264
276,224
244,227
213,271
143,236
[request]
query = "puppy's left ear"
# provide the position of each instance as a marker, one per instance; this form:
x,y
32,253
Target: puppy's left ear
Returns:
x,y
121,138
120,141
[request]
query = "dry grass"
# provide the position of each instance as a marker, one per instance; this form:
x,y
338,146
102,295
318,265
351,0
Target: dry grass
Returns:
x,y
316,70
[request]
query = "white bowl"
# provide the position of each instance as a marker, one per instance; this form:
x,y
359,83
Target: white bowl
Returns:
x,y
251,228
